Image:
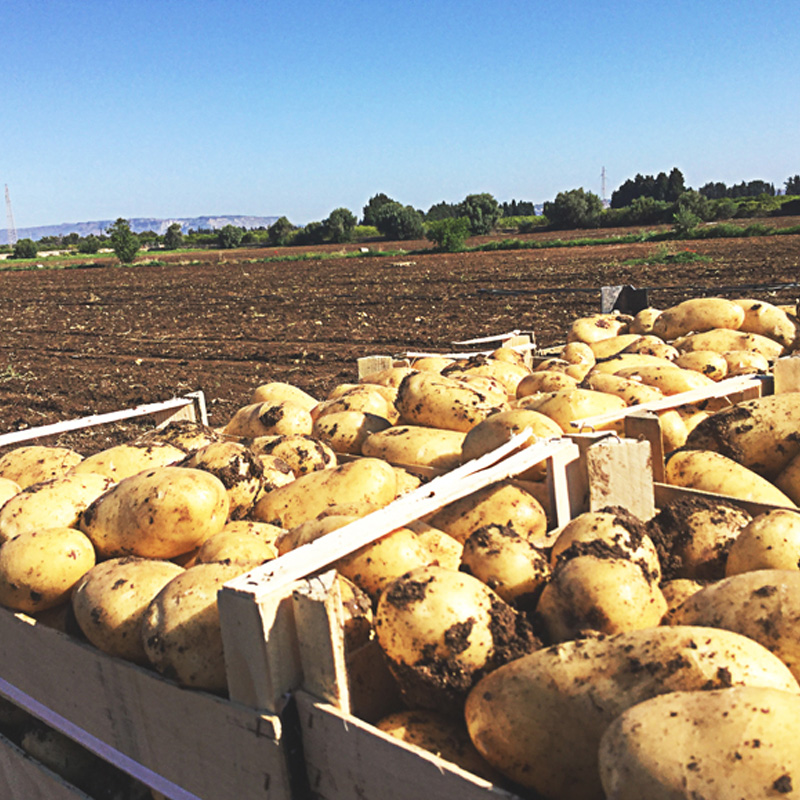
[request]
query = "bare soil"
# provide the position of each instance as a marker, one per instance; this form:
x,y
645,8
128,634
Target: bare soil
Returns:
x,y
101,337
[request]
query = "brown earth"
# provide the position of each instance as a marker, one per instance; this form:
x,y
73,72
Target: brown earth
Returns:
x,y
98,338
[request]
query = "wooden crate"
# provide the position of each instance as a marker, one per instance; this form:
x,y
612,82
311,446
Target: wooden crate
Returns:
x,y
282,627
184,743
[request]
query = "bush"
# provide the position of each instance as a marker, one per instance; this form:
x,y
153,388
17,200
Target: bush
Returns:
x,y
124,241
89,246
684,221
448,234
173,237
482,211
574,209
229,237
399,222
280,232
313,233
372,208
25,248
339,225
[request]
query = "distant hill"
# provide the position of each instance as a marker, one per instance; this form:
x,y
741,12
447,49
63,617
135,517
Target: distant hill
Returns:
x,y
140,224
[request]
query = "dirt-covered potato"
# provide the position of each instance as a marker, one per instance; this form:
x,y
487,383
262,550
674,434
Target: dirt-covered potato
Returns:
x,y
275,471
278,391
630,390
368,398
697,315
425,398
416,445
234,546
346,431
763,605
508,375
39,568
726,743
769,541
539,719
545,380
185,434
710,471
124,460
56,503
768,320
269,419
694,536
35,463
237,467
507,563
302,453
595,327
160,513
367,479
712,365
110,599
181,631
441,630
644,320
503,503
669,379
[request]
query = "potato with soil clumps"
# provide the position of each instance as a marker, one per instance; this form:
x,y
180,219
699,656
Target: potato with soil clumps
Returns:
x,y
737,742
694,535
302,453
346,431
441,630
161,513
185,434
507,374
539,719
39,568
36,463
110,599
269,419
763,605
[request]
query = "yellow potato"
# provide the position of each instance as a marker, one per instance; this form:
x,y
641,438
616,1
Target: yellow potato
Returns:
x,y
768,320
596,327
36,463
39,568
346,431
269,419
745,362
507,374
8,489
605,348
185,434
416,445
545,380
238,547
632,391
711,364
644,320
393,376
627,360
124,460
300,452
697,315
278,391
569,405
769,541
669,379
365,397
721,340
432,363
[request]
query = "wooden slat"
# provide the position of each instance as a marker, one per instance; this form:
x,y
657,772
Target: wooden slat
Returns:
x,y
348,759
666,493
371,365
182,742
787,374
645,425
24,778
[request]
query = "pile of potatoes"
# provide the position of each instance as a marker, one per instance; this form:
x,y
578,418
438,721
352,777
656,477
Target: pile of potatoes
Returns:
x,y
530,662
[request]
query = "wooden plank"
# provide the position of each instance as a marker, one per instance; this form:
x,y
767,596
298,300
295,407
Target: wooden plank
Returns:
x,y
195,411
348,759
724,388
644,425
57,428
181,742
371,365
620,474
24,778
787,374
666,493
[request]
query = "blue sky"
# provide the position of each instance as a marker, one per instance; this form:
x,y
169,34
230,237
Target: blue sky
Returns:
x,y
177,109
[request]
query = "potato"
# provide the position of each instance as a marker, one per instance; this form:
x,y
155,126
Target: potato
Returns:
x,y
432,363
416,445
709,363
697,315
302,453
652,345
675,592
110,599
721,340
275,471
507,374
633,392
437,734
36,463
763,605
596,327
644,320
185,434
440,402
605,348
628,360
8,489
713,472
499,428
39,568
569,405
768,320
726,743
368,479
64,756
760,434
56,503
745,362
769,541
788,479
578,354
595,589
507,563
545,380
269,534
673,429
239,547
269,419
124,460
669,379
539,719
503,503
511,355
237,467
181,631
695,534
278,391
161,513
446,550
392,377
345,431
366,398
440,630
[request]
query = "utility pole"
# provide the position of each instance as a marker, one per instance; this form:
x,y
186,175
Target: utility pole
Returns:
x,y
603,187
12,231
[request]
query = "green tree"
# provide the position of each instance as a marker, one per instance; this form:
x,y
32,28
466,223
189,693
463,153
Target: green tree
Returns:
x,y
230,236
396,221
89,246
441,210
372,208
311,233
448,234
676,185
482,211
173,237
280,232
792,185
574,209
72,238
697,204
124,241
684,221
339,225
25,248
